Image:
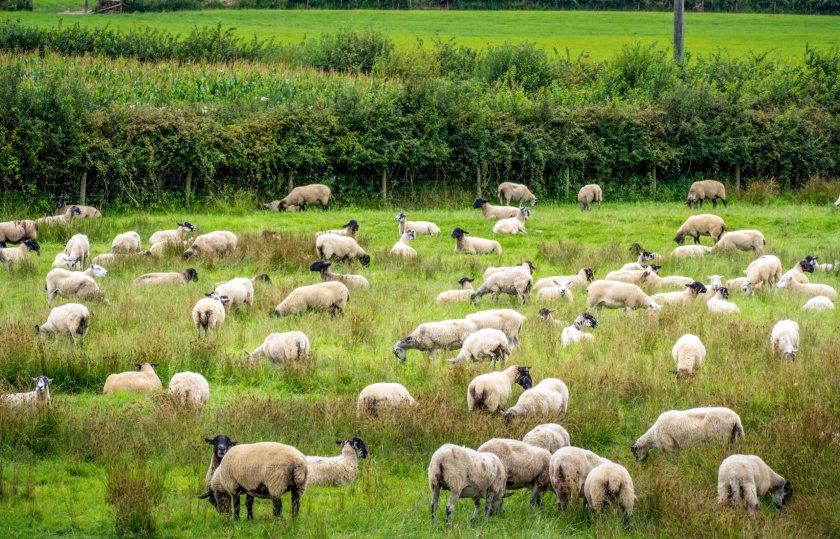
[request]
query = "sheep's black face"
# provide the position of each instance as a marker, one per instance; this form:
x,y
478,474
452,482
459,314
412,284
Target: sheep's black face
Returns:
x,y
221,444
192,275
262,278
352,224
365,260
282,205
32,245
724,293
59,202
654,268
358,445
479,202
590,275
399,217
647,255
458,232
807,266
75,210
523,377
679,238
189,226
698,287
319,266
589,320
545,314
463,280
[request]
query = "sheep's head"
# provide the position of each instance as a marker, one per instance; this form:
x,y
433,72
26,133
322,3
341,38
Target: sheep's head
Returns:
x,y
525,212
655,308
192,275
715,281
807,266
319,265
640,452
140,366
784,282
59,202
42,384
654,268
523,377
75,211
352,224
563,287
365,259
545,315
357,444
647,255
262,278
464,280
400,217
402,345
282,205
221,503
680,238
723,292
98,271
782,495
412,235
531,267
533,201
790,353
458,233
479,202
189,226
586,319
697,287
218,297
32,245
590,275
221,444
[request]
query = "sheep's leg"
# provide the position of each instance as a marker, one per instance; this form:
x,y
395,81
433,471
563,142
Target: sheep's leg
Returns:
x,y
724,202
714,203
751,498
450,506
697,239
277,507
626,521
295,501
51,295
476,508
249,506
431,355
536,499
73,337
435,498
236,507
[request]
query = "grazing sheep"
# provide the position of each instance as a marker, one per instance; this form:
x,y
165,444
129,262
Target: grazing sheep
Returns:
x,y
513,225
507,321
784,338
515,281
549,436
9,255
172,236
344,248
61,260
350,229
212,244
491,391
466,473
61,282
63,219
560,292
78,248
588,195
280,347
336,471
490,344
610,483
209,313
239,291
706,190
764,270
526,465
431,336
808,290
464,294
690,251
549,397
181,277
382,396
746,478
577,282
84,211
71,319
680,429
818,303
424,228
798,271
127,242
474,246
617,295
736,284
143,380
190,388
18,231
692,291
331,296
323,268
304,195
403,246
742,240
495,212
688,353
574,333
40,398
704,224
567,471
516,192
718,304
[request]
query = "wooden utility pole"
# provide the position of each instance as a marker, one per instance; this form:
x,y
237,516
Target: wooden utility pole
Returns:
x,y
384,185
188,187
83,187
738,179
679,26
568,182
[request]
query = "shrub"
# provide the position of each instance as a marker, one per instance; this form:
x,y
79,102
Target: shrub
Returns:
x,y
15,5
761,192
349,50
133,488
819,190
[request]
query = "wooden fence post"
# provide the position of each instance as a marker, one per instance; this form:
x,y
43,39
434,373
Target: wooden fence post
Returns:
x,y
679,26
291,180
738,179
568,174
188,187
384,185
478,179
653,177
83,187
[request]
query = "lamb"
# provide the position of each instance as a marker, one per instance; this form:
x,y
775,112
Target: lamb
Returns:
x,y
495,212
424,228
190,388
706,189
209,313
466,472
764,270
784,338
84,211
808,290
746,478
680,429
567,471
350,280
10,255
172,236
589,194
127,242
61,282
526,465
509,191
331,296
560,292
329,246
549,436
515,282
484,344
616,295
474,246
463,294
304,195
690,251
38,399
818,303
63,219
336,471
684,297
718,304
71,319
736,284
491,391
507,321
280,347
704,224
239,291
218,243
577,282
549,397
181,277
18,231
143,380
688,353
513,225
377,398
574,334
547,318
78,248
742,240
431,336
610,483
403,246
350,229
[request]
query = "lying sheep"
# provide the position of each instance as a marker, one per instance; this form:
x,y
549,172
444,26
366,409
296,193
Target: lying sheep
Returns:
x,y
742,240
549,397
764,270
463,294
181,277
574,333
304,195
323,268
61,282
212,244
280,347
547,318
474,246
692,291
172,236
706,190
484,344
746,478
560,292
37,399
784,338
163,247
549,436
527,266
71,319
495,212
526,465
10,255
350,229
515,282
690,251
513,225
808,290
431,336
816,266
507,321
424,228
491,391
704,224
643,257
617,295
567,471
84,211
516,192
610,483
798,271
576,282
688,353
239,291
143,380
377,398
18,231
718,304
468,473
331,296
78,248
631,276
818,303
336,471
329,246
680,429
63,219
209,313
127,242
588,195
676,280
403,246
190,388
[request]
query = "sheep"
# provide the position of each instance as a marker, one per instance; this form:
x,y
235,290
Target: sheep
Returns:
x,y
280,347
706,189
736,284
617,295
838,202
403,246
190,388
526,465
424,228
84,211
549,436
813,260
239,291
221,444
560,292
808,290
679,429
513,225
633,276
574,334
218,243
704,224
576,282
684,297
329,246
549,397
491,391
764,270
799,270
676,280
690,251
567,471
143,380
688,353
818,303
315,193
18,231
61,260
377,398
643,257
718,304
331,296
784,338
507,321
180,277
350,229
463,294
260,470
527,266
323,268
78,248
172,236
468,473
10,255
610,483
61,282
484,344
474,246
742,240
38,399
63,219
515,282
162,247
547,318
209,313
71,318
127,242
746,478
495,212
589,194
431,336
336,471
509,191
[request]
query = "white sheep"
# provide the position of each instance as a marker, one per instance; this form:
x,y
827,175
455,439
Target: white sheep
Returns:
x,y
610,483
84,211
798,271
239,291
549,397
617,295
746,478
472,245
549,436
63,219
424,228
61,260
784,338
143,380
127,242
329,246
336,471
280,347
179,277
431,336
323,269
71,319
18,231
484,344
491,391
676,280
764,270
382,396
464,294
351,228
704,224
516,192
577,282
690,251
403,246
588,195
818,303
643,257
507,321
718,304
516,281
467,473
10,255
209,313
316,193
527,266
177,235
526,466
688,353
61,282
808,290
212,244
574,333
37,399
692,291
742,240
560,292
331,296
513,225
494,212
680,429
190,388
567,471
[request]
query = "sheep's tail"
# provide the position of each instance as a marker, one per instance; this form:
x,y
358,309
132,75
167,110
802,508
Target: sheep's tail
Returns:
x,y
737,430
299,476
83,325
204,318
734,490
478,400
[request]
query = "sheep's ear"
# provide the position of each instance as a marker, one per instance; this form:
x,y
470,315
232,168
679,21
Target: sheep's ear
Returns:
x,y
205,495
138,366
209,441
35,379
50,380
154,365
233,443
339,442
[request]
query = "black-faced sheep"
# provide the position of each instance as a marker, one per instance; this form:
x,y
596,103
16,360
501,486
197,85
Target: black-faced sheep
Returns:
x,y
484,344
351,228
577,282
718,304
323,268
507,321
460,295
329,246
172,236
180,277
63,219
491,391
574,333
336,471
474,246
424,228
62,208
495,212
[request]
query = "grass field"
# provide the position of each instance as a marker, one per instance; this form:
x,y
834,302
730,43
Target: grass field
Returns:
x,y
94,458
598,33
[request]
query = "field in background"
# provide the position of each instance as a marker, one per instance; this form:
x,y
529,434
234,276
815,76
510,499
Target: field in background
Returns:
x,y
94,458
